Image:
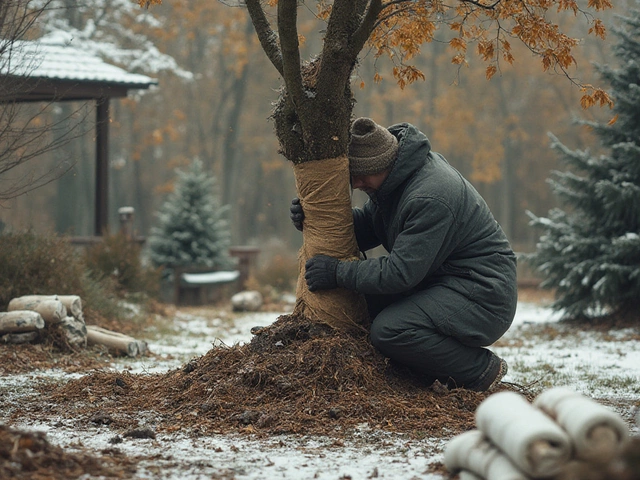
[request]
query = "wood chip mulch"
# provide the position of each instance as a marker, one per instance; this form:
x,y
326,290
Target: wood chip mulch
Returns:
x,y
29,455
294,377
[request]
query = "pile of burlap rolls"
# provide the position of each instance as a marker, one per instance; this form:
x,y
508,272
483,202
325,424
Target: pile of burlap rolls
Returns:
x,y
561,431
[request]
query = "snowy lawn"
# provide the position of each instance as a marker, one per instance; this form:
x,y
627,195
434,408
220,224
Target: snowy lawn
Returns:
x,y
541,353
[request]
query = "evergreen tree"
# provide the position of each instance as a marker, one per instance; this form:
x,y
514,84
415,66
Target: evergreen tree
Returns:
x,y
192,227
590,253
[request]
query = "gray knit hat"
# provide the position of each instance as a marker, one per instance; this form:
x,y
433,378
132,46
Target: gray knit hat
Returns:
x,y
372,148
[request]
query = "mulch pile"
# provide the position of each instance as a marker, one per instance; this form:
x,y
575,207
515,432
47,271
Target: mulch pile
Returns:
x,y
16,359
293,377
25,455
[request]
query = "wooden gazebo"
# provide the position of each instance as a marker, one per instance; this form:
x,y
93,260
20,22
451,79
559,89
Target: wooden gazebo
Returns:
x,y
52,70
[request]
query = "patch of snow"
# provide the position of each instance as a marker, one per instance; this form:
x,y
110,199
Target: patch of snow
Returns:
x,y
382,455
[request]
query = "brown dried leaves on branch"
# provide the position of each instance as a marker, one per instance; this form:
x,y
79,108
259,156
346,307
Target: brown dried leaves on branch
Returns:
x,y
293,377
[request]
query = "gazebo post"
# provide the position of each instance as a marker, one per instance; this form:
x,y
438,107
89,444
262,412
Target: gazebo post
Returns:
x,y
59,72
102,166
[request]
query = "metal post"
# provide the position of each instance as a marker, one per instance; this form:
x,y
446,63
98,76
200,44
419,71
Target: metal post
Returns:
x,y
102,167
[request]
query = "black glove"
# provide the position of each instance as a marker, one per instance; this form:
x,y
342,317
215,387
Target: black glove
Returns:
x,y
321,273
297,215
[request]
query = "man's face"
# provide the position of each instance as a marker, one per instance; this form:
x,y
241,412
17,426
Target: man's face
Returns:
x,y
369,183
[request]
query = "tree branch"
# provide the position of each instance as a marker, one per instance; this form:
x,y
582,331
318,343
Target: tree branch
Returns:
x,y
367,26
266,35
288,31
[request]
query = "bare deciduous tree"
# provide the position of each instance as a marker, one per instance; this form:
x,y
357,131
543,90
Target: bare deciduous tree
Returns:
x,y
27,129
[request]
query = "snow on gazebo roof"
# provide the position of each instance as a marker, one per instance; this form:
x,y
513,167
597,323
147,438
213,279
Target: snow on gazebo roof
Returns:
x,y
53,58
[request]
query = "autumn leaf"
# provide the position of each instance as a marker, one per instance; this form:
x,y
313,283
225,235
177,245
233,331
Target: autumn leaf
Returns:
x,y
148,3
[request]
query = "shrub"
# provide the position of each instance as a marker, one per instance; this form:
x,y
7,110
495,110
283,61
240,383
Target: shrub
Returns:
x,y
281,273
33,264
118,258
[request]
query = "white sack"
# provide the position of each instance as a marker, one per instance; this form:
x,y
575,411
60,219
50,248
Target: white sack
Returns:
x,y
471,452
530,438
597,433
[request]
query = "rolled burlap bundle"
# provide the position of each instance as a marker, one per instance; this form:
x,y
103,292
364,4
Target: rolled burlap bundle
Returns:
x,y
597,433
531,439
472,453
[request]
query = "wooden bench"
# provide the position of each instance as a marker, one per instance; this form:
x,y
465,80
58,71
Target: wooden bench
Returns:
x,y
202,285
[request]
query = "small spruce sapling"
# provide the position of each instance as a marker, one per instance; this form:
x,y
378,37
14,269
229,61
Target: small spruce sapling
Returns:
x,y
192,228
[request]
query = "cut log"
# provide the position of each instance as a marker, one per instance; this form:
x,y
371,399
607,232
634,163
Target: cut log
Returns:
x,y
72,303
75,331
117,342
52,311
17,338
20,321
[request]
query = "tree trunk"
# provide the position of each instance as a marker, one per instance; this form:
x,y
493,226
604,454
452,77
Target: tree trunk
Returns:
x,y
323,187
312,120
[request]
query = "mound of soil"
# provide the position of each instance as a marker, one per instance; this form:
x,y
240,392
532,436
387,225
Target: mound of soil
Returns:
x,y
30,456
293,377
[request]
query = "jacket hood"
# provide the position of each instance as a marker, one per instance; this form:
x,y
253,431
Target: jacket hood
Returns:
x,y
413,151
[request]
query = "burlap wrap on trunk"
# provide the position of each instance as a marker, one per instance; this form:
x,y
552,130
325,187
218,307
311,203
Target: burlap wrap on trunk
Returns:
x,y
324,191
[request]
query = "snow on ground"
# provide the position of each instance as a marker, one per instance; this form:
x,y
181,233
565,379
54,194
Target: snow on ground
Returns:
x,y
540,351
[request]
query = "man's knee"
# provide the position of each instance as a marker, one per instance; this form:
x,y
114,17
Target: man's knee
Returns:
x,y
379,334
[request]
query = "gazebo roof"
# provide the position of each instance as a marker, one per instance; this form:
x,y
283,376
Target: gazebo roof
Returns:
x,y
52,69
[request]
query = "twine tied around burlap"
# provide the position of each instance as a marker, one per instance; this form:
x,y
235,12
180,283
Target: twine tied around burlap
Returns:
x,y
325,195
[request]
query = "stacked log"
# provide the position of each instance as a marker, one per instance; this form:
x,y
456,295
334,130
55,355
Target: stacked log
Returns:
x,y
51,309
20,326
28,317
115,342
65,311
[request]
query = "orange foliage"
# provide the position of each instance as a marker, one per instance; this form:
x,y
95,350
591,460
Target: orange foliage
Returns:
x,y
147,3
405,26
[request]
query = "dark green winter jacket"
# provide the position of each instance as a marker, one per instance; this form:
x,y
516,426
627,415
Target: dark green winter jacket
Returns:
x,y
437,230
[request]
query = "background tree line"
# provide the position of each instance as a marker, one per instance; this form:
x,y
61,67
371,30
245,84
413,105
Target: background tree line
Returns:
x,y
211,105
